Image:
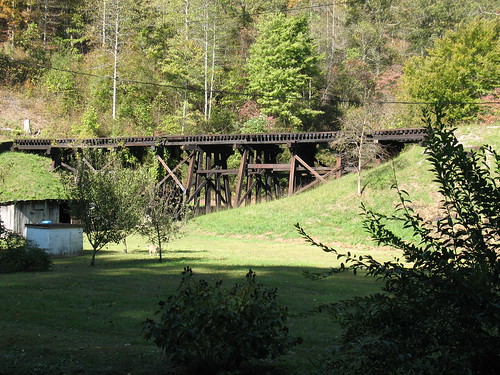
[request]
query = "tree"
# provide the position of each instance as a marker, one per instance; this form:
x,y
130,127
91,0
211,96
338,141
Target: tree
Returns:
x,y
106,197
353,142
164,214
421,22
438,311
462,67
283,68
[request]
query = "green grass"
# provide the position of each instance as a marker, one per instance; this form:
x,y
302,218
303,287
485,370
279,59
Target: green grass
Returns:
x,y
26,176
77,319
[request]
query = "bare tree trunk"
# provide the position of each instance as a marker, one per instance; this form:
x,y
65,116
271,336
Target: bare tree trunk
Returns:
x,y
115,55
186,36
184,110
186,19
104,23
212,77
45,15
158,236
360,158
205,78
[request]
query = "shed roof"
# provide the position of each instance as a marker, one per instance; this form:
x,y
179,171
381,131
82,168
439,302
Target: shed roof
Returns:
x,y
26,177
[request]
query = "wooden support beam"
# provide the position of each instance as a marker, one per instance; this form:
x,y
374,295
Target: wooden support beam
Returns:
x,y
219,171
247,194
182,162
208,186
241,177
218,195
171,173
87,163
339,167
315,182
227,189
273,166
291,181
199,188
191,169
68,167
313,172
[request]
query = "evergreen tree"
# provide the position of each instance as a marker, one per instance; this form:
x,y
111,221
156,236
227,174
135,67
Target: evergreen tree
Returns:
x,y
283,68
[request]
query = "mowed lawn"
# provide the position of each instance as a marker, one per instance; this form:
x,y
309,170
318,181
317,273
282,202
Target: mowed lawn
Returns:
x,y
81,320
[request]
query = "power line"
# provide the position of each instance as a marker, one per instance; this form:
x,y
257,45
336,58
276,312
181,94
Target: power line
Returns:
x,y
287,10
193,88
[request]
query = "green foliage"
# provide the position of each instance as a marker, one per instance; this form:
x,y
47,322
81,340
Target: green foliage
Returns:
x,y
17,255
31,42
36,259
89,125
254,125
439,309
60,83
424,21
462,67
210,329
354,81
283,67
106,196
164,213
12,72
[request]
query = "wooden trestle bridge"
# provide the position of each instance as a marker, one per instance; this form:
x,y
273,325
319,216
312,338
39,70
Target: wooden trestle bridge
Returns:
x,y
207,181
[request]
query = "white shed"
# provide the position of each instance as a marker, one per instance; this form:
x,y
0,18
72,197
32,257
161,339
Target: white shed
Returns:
x,y
57,239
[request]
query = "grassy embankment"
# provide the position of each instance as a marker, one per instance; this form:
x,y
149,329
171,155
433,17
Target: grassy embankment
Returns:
x,y
77,319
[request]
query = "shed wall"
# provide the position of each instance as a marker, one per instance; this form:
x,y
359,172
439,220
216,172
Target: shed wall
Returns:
x,y
16,215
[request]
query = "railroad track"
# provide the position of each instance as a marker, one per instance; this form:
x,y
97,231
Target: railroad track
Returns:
x,y
408,135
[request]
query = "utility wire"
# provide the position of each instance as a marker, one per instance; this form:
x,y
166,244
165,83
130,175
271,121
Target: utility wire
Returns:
x,y
287,10
194,88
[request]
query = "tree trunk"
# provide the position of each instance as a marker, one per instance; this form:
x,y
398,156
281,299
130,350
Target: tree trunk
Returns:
x,y
360,158
212,76
104,23
92,262
205,75
115,63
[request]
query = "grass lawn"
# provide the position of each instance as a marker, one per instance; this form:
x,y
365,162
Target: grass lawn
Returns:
x,y
81,320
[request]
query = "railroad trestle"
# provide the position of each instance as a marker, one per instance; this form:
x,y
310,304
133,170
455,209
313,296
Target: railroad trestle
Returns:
x,y
224,171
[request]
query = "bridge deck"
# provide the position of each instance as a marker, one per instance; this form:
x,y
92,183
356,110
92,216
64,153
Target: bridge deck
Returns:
x,y
390,135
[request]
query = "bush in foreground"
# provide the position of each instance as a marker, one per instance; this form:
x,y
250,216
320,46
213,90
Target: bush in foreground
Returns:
x,y
209,329
438,312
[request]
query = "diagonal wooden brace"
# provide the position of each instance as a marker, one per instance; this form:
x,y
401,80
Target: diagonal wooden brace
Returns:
x,y
170,174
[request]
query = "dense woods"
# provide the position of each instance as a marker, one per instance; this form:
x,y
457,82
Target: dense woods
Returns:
x,y
122,67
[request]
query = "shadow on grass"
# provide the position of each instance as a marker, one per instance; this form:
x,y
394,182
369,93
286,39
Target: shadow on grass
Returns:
x,y
83,320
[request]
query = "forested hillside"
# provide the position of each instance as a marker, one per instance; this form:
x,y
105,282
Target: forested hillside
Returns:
x,y
124,67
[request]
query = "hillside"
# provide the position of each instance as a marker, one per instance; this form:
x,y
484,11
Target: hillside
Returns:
x,y
119,67
331,212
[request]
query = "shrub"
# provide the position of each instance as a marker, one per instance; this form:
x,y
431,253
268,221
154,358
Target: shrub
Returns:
x,y
12,260
17,255
36,259
26,258
209,329
438,312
